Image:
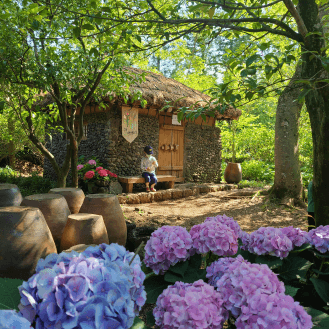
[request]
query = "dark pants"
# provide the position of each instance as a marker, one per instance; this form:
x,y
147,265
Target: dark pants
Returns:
x,y
149,178
311,220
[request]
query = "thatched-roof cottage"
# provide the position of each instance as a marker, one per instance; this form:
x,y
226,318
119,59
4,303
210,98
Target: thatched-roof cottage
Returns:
x,y
186,149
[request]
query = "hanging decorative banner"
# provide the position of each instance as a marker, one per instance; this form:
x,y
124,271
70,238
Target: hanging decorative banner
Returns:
x,y
129,123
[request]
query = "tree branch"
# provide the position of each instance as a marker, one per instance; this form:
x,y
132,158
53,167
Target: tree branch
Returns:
x,y
155,10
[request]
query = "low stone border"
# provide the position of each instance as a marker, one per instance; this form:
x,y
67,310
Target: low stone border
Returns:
x,y
180,191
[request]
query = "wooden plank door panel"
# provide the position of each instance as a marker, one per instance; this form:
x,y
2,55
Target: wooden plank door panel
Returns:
x,y
164,159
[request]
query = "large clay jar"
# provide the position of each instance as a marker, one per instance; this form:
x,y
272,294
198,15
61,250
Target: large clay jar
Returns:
x,y
84,229
109,207
55,210
233,173
10,195
74,197
24,239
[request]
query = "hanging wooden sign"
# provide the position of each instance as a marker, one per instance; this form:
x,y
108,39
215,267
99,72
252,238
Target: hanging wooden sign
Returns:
x,y
129,123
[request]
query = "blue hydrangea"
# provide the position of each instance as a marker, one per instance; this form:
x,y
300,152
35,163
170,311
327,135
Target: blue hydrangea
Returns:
x,y
11,319
93,289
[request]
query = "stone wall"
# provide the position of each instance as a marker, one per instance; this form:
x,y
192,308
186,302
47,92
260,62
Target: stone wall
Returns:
x,y
202,158
105,141
124,158
96,144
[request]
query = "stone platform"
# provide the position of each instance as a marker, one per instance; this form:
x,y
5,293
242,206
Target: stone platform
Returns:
x,y
180,191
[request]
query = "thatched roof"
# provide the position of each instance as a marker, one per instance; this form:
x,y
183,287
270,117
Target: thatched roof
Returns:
x,y
157,90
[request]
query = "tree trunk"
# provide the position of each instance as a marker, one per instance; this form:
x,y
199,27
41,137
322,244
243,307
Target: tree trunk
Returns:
x,y
11,145
74,163
317,102
287,179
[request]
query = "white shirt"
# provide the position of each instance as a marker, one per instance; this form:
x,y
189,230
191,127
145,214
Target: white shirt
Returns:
x,y
149,163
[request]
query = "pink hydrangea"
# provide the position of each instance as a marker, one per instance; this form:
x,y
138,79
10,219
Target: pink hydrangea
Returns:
x,y
275,311
80,166
167,246
297,236
215,237
218,268
242,280
268,241
228,221
190,305
102,173
92,162
89,174
319,238
99,168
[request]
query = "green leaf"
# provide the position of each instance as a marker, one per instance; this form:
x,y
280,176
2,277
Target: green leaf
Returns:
x,y
88,27
252,59
303,247
9,294
2,105
301,96
154,286
271,261
204,118
150,320
94,51
211,12
268,69
139,324
172,277
319,318
194,275
93,4
322,288
294,267
76,32
291,291
179,268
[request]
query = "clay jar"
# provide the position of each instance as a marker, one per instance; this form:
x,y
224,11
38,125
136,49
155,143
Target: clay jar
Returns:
x,y
55,210
109,207
10,195
233,173
74,197
24,239
84,229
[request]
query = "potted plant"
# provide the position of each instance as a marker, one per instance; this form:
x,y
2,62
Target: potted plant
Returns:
x,y
95,176
233,172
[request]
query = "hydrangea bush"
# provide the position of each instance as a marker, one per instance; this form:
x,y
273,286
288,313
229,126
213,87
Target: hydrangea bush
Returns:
x,y
198,279
93,289
167,246
11,319
190,305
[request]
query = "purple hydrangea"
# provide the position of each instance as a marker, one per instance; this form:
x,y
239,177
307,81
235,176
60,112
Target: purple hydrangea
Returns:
x,y
275,311
268,241
242,280
11,319
190,305
92,162
218,268
319,238
228,221
215,237
80,290
297,236
167,246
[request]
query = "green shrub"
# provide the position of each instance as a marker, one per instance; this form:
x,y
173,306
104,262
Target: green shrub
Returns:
x,y
252,183
260,171
27,185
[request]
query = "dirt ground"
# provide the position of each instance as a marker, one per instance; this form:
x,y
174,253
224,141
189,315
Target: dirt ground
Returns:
x,y
250,213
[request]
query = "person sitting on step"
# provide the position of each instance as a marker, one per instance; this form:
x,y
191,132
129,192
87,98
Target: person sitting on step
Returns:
x,y
148,165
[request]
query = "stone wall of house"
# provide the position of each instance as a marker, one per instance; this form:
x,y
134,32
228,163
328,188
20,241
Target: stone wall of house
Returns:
x,y
202,158
105,141
124,158
96,143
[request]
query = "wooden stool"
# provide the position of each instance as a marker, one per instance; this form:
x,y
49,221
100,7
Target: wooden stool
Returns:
x,y
10,196
55,210
24,239
74,197
109,207
84,229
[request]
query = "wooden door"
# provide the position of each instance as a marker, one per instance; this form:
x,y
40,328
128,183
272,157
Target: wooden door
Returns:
x,y
171,151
